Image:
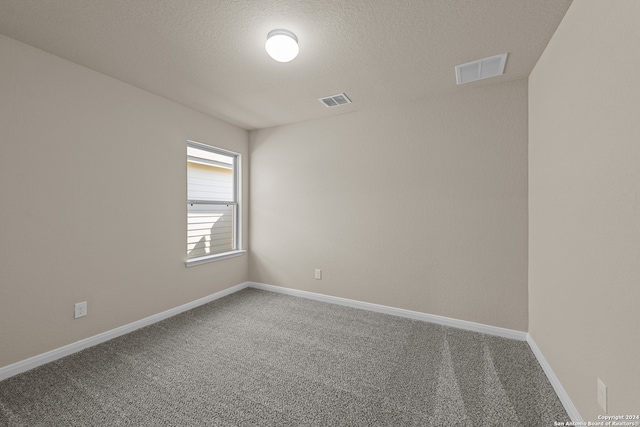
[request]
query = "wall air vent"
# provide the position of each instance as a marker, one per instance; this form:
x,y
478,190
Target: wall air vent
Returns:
x,y
335,100
481,69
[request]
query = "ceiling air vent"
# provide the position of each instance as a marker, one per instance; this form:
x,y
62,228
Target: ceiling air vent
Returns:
x,y
481,69
335,100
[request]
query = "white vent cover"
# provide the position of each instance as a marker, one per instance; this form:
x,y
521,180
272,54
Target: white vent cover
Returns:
x,y
335,100
481,69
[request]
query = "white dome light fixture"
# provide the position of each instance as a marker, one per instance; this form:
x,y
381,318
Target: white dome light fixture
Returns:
x,y
282,45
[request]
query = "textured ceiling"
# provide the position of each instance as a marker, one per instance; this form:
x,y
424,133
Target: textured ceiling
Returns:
x,y
209,54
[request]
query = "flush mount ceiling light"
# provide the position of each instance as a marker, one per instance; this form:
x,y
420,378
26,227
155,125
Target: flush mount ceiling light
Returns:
x,y
282,45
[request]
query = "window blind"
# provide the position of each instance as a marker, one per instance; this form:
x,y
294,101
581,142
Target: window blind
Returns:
x,y
211,201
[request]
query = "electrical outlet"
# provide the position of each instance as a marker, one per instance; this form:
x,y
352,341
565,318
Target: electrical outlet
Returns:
x,y
318,274
80,309
602,395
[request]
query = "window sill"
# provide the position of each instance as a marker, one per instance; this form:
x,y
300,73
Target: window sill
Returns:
x,y
213,258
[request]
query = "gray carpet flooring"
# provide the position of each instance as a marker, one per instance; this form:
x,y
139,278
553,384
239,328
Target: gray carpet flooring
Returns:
x,y
257,358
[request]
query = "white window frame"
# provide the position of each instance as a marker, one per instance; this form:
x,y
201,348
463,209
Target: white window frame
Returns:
x,y
237,198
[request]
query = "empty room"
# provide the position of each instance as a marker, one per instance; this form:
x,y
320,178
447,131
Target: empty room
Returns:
x,y
319,213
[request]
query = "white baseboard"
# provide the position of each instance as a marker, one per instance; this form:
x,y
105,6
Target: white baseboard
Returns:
x,y
555,382
50,356
446,321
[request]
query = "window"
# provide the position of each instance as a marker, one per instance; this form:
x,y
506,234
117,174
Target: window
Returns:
x,y
213,207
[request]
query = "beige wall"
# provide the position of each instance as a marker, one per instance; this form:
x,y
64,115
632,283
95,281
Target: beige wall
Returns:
x,y
93,202
584,229
420,206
